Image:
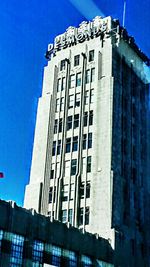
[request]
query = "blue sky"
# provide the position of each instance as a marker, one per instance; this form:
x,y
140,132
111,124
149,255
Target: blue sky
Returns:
x,y
26,28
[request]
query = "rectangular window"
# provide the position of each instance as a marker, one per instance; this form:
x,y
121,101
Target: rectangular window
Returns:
x,y
58,85
64,216
89,140
63,84
85,118
78,79
91,117
71,191
86,98
89,164
62,104
73,166
65,192
76,60
76,121
52,171
92,75
57,105
37,253
87,76
84,141
75,143
56,256
55,126
91,96
87,213
71,101
50,194
77,100
70,215
16,255
88,190
54,148
69,123
83,165
91,55
72,81
81,216
62,64
57,170
58,147
68,145
67,168
60,125
82,191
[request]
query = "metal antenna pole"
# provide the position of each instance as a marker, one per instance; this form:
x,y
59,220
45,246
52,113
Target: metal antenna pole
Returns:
x,y
124,13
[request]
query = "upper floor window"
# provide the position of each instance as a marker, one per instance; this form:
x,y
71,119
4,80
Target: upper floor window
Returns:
x,y
81,213
50,194
70,217
56,254
54,148
76,120
60,125
68,145
16,254
62,64
77,100
69,123
76,60
71,191
89,140
73,166
87,76
57,105
75,143
65,192
58,85
52,171
62,104
58,147
63,219
67,168
86,97
55,126
72,81
71,101
85,118
84,141
91,55
89,164
37,254
78,79
88,190
63,84
91,96
91,117
92,75
87,214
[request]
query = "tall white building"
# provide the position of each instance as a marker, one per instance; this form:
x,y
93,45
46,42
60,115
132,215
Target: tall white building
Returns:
x,y
90,156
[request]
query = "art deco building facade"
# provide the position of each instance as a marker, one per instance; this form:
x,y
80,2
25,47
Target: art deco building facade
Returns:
x,y
90,156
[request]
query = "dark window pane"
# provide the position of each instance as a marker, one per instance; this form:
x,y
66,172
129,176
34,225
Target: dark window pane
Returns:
x,y
89,140
89,164
76,120
73,166
91,55
91,117
68,145
75,143
85,118
54,148
76,60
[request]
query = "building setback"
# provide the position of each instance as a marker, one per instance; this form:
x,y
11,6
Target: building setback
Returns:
x,y
29,239
91,150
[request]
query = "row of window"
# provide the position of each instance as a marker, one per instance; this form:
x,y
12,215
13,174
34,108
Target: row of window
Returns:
x,y
71,170
83,216
72,144
67,194
74,100
75,80
77,60
56,255
73,121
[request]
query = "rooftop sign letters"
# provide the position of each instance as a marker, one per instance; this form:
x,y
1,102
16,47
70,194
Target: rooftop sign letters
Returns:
x,y
73,36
